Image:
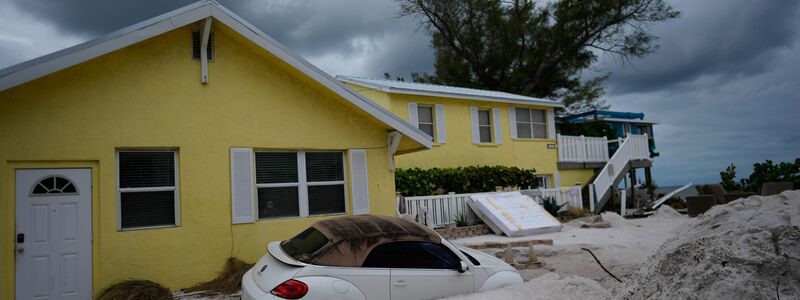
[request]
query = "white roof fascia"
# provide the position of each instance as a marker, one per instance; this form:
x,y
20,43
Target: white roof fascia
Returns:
x,y
42,66
390,89
628,120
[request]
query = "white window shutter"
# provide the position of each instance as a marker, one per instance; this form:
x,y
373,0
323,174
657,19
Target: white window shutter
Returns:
x,y
242,185
412,114
441,131
359,183
476,135
551,124
512,121
498,128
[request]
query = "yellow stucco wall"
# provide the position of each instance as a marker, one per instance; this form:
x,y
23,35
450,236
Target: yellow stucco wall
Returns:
x,y
149,95
459,151
569,177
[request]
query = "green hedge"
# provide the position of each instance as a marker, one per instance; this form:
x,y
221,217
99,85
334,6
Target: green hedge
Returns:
x,y
473,179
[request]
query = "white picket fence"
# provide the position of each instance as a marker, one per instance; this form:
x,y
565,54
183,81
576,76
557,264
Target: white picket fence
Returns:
x,y
582,149
445,209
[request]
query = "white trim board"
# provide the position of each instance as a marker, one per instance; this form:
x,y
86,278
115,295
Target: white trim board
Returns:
x,y
54,62
423,92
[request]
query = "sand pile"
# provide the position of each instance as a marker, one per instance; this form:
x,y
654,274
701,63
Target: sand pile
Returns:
x,y
549,286
665,211
746,249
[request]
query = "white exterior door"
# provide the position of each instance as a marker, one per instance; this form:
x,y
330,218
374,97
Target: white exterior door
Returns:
x,y
54,234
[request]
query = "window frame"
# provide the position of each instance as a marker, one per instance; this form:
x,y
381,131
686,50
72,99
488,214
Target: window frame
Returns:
x,y
175,189
433,119
545,180
490,125
531,123
302,185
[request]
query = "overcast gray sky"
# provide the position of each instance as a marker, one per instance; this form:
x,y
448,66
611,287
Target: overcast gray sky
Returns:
x,y
724,85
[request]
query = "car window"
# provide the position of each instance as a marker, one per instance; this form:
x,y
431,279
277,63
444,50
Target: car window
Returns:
x,y
305,243
417,255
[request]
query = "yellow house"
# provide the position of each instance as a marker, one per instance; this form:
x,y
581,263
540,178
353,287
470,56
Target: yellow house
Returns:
x,y
473,127
164,148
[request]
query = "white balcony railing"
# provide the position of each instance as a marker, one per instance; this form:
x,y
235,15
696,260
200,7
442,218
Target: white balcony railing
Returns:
x,y
582,149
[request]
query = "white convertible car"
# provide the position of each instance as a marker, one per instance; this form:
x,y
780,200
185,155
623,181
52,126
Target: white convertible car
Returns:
x,y
372,257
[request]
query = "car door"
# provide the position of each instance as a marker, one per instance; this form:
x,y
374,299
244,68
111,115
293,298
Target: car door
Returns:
x,y
421,270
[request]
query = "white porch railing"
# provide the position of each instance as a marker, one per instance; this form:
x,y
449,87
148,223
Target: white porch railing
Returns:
x,y
634,147
582,149
444,209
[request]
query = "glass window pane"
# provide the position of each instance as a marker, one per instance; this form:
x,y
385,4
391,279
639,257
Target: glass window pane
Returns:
x,y
278,202
276,167
425,114
304,244
539,131
146,169
524,130
484,117
326,199
486,134
538,116
523,114
142,209
417,255
324,166
426,128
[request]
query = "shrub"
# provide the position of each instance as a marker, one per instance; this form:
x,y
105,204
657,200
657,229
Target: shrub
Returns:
x,y
461,220
551,206
762,173
472,179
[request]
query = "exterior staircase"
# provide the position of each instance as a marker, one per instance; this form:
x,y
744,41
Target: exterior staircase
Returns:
x,y
632,149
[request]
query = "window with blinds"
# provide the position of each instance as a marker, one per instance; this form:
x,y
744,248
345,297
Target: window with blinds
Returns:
x,y
485,125
285,180
147,190
531,123
425,119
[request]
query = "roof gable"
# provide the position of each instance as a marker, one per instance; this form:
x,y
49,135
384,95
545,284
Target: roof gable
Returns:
x,y
60,60
425,89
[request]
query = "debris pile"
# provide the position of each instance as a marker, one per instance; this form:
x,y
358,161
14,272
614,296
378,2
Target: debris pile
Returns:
x,y
746,249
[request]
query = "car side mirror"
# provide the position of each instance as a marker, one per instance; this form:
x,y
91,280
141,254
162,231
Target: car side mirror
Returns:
x,y
462,267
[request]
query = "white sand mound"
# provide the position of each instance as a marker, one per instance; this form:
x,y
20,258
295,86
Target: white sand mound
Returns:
x,y
549,286
614,219
665,211
746,249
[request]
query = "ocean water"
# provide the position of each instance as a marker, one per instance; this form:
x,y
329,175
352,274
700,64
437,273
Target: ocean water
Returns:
x,y
690,191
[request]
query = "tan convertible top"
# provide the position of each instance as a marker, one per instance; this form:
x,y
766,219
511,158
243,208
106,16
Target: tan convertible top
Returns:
x,y
351,238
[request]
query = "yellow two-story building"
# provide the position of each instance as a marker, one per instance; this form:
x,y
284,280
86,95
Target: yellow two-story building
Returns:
x,y
471,127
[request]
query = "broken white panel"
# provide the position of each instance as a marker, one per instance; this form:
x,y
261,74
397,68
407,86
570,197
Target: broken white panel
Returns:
x,y
514,214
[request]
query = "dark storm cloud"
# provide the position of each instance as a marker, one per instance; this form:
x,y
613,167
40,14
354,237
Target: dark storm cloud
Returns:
x,y
726,39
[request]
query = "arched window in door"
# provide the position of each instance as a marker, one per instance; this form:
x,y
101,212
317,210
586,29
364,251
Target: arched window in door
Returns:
x,y
54,185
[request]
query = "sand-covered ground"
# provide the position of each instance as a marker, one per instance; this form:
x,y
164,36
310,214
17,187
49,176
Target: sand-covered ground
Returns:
x,y
746,249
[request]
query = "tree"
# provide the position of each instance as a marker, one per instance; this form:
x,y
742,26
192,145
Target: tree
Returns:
x,y
770,172
520,47
728,179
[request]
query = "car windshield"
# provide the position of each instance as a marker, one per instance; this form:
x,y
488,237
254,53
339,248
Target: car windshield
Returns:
x,y
304,244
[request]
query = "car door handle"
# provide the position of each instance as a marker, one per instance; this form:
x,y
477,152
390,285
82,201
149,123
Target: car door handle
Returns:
x,y
400,283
